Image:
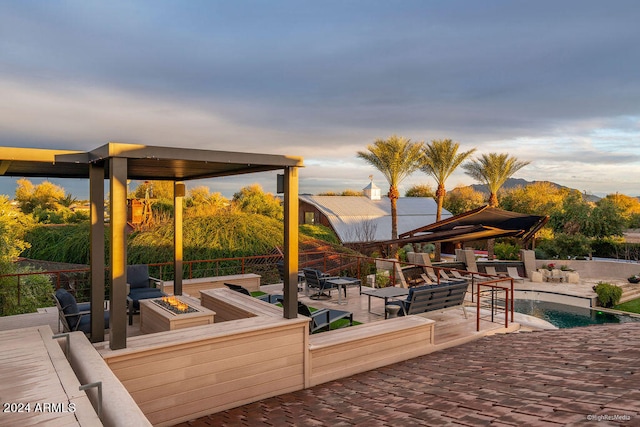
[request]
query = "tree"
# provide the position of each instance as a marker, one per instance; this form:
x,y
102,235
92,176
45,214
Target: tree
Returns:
x,y
161,190
493,170
201,202
420,190
629,208
252,199
538,198
463,199
396,158
43,197
13,225
441,159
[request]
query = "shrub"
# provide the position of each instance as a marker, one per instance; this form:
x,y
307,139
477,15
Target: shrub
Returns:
x,y
506,251
609,295
35,292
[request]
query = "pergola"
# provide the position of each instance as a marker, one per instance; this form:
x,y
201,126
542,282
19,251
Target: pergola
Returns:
x,y
120,162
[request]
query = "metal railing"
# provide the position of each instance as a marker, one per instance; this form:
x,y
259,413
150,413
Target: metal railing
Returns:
x,y
333,263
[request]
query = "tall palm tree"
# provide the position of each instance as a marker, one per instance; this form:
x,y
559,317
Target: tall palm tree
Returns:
x,y
396,158
441,159
493,170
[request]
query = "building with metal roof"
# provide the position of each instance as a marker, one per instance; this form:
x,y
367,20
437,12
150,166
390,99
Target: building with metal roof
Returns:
x,y
367,218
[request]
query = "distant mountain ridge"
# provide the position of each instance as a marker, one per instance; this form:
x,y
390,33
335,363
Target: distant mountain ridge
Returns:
x,y
519,182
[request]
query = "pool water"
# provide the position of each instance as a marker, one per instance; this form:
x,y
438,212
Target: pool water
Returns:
x,y
568,316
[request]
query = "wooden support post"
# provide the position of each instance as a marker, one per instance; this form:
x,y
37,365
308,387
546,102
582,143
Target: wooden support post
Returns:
x,y
96,250
290,242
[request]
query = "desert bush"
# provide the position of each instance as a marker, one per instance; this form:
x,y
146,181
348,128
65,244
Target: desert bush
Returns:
x,y
609,295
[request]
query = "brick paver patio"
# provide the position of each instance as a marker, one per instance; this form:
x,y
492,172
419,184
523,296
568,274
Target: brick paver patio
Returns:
x,y
583,376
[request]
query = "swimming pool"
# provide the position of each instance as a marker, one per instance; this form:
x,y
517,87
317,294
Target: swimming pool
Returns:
x,y
568,316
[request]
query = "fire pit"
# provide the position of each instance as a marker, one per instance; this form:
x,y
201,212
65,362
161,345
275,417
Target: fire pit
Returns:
x,y
174,312
174,305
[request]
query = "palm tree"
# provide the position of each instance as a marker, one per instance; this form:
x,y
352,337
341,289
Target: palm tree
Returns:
x,y
441,159
396,158
493,170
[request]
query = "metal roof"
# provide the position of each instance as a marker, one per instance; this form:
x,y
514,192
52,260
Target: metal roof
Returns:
x,y
360,219
144,162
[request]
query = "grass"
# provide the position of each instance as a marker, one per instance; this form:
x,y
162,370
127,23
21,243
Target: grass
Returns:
x,y
632,306
340,323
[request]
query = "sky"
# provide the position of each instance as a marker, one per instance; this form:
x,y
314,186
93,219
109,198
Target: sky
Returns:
x,y
555,83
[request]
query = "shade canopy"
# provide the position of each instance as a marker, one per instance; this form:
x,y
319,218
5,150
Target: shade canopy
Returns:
x,y
144,162
482,223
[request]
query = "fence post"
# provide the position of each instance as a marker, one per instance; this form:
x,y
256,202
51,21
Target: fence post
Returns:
x,y
19,303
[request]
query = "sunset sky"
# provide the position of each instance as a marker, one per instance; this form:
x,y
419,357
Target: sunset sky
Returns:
x,y
556,83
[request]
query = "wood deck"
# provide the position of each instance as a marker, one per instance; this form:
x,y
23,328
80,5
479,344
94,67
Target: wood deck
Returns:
x,y
38,383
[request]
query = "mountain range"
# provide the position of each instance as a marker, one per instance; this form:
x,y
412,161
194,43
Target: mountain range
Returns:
x,y
518,182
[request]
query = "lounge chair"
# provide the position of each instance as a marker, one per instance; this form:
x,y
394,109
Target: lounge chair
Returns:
x,y
492,271
271,299
323,318
513,273
74,316
400,275
141,286
456,275
433,297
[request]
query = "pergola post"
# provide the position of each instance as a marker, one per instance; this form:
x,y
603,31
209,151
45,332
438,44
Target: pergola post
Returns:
x,y
96,250
178,195
290,242
118,251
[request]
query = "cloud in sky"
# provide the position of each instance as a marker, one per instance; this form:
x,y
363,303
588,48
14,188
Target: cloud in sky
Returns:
x,y
554,83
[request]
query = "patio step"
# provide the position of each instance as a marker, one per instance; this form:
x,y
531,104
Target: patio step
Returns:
x,y
630,291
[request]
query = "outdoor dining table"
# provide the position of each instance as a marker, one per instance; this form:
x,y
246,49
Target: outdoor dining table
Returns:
x,y
342,282
386,293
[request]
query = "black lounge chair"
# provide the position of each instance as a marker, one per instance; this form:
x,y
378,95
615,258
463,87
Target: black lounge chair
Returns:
x,y
433,297
271,299
74,316
141,286
323,318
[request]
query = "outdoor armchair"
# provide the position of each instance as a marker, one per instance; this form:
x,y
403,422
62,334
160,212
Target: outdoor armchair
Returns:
x,y
318,280
323,318
141,286
271,299
74,316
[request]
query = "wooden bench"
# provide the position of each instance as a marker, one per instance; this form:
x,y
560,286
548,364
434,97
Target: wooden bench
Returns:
x,y
193,287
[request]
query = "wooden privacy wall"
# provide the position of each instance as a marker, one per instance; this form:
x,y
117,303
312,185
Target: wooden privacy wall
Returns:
x,y
180,375
341,353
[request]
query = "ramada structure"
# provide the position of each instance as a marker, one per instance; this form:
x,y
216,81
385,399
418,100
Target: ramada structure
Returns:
x,y
118,163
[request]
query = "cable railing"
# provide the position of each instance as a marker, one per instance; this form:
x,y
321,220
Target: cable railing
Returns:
x,y
490,294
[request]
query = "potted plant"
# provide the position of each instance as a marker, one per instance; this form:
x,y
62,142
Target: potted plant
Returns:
x,y
634,279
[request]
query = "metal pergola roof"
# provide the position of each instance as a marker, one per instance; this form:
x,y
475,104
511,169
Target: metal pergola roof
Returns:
x,y
120,162
143,162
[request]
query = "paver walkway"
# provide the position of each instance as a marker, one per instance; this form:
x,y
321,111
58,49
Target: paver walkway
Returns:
x,y
548,378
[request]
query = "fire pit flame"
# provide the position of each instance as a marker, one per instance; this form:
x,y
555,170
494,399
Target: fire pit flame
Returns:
x,y
174,305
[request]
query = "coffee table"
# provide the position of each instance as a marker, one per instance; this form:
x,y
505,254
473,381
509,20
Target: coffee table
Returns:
x,y
386,293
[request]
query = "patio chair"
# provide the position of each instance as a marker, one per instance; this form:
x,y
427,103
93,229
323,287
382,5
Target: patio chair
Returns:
x,y
513,273
400,275
457,275
280,266
140,286
271,299
323,318
492,271
318,280
433,297
74,316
